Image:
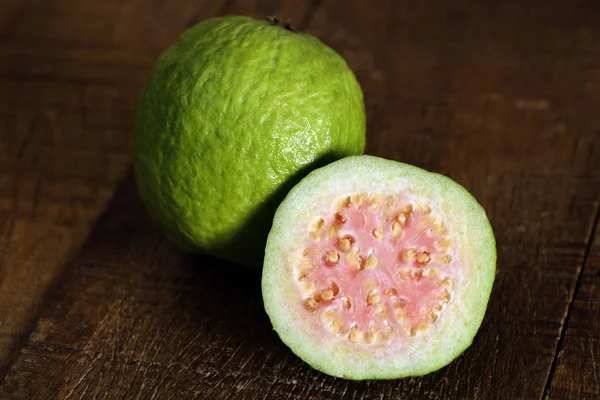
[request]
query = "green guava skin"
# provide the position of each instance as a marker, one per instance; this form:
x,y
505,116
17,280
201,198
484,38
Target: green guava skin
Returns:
x,y
234,113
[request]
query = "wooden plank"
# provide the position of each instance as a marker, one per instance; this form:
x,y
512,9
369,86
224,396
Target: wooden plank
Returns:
x,y
503,98
45,229
69,79
576,373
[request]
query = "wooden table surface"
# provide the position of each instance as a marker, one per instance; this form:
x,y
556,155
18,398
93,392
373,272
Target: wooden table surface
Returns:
x,y
502,96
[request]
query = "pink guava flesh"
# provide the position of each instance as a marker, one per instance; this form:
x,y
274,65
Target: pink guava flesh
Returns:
x,y
375,268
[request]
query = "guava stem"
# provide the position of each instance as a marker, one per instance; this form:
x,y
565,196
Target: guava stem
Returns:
x,y
273,19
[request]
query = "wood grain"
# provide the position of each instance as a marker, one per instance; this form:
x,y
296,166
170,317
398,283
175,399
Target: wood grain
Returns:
x,y
576,372
63,146
502,97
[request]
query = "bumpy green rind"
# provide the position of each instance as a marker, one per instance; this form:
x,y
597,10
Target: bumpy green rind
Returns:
x,y
463,315
234,113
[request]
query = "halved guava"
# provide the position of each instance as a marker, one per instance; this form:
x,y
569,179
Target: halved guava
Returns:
x,y
376,269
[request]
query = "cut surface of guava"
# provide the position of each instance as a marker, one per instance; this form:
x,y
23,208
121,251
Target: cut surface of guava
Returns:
x,y
376,269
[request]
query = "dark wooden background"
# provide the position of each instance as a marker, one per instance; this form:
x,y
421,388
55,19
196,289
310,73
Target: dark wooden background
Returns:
x,y
502,96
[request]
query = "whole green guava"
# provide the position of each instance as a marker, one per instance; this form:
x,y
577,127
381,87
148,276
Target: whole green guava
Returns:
x,y
234,113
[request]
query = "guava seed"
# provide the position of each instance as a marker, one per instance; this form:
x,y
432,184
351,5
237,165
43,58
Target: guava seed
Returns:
x,y
371,261
377,233
354,334
423,258
333,257
373,298
327,295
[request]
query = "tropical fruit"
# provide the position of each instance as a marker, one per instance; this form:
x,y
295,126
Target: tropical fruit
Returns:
x,y
376,269
234,113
